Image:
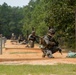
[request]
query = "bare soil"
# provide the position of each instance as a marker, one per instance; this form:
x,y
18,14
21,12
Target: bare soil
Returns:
x,y
17,54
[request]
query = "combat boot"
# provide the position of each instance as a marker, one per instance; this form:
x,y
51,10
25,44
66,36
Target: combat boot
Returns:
x,y
43,55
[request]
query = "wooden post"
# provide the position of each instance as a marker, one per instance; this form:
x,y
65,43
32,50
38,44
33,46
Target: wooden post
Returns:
x,y
75,29
0,43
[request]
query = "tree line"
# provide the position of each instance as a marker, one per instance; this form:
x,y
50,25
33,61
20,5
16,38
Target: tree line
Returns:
x,y
40,14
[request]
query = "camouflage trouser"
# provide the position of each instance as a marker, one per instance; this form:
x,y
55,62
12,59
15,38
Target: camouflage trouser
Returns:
x,y
31,43
13,38
55,49
46,52
49,52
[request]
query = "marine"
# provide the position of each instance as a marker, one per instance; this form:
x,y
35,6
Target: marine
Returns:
x,y
49,45
31,39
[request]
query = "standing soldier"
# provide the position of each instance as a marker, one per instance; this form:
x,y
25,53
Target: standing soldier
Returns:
x,y
13,37
49,45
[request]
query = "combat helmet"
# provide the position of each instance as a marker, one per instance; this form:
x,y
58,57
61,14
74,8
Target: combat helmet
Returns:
x,y
33,32
51,31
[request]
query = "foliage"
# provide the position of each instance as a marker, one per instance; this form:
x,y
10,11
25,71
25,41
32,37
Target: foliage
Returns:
x,y
40,14
10,20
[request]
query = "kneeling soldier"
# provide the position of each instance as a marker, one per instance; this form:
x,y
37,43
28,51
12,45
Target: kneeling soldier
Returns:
x,y
49,45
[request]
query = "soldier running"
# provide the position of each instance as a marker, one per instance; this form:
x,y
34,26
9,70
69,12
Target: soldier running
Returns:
x,y
31,39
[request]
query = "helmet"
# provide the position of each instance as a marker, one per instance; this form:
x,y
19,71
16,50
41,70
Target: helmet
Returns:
x,y
51,31
33,32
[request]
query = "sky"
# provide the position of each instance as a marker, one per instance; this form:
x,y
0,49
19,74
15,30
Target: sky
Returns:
x,y
19,3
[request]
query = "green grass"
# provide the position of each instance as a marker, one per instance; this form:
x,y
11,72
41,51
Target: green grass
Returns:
x,y
60,69
22,52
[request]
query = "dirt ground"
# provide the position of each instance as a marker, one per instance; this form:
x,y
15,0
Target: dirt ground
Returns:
x,y
17,54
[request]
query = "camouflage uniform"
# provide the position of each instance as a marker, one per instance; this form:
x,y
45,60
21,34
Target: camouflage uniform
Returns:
x,y
32,39
20,38
13,37
49,45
